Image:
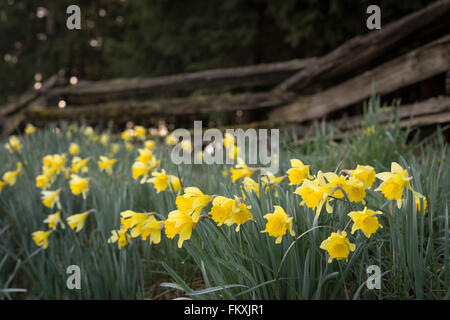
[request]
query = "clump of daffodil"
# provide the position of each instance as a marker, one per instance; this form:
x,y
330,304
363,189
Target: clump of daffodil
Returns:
x,y
298,172
278,223
171,140
10,177
230,211
79,165
79,185
180,223
41,238
74,148
78,220
354,189
142,224
161,181
53,220
315,193
50,198
120,236
139,132
338,246
106,164
365,174
241,170
13,144
30,129
394,183
53,164
365,221
193,201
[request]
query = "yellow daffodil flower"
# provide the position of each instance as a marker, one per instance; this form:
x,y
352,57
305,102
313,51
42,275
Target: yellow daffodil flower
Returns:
x,y
229,140
180,223
298,172
394,183
79,185
30,129
145,156
13,144
89,131
230,211
278,223
365,221
127,134
119,236
77,220
315,193
114,148
338,246
193,201
250,185
365,174
106,164
149,144
139,132
41,238
170,140
10,177
79,164
53,220
104,139
74,148
50,198
43,181
241,170
161,181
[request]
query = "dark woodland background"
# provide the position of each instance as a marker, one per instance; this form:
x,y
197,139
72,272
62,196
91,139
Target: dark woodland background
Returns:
x,y
128,38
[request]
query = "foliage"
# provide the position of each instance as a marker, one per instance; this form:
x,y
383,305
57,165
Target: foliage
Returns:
x,y
412,249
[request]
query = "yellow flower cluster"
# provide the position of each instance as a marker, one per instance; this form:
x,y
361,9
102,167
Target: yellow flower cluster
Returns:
x,y
184,219
316,191
9,178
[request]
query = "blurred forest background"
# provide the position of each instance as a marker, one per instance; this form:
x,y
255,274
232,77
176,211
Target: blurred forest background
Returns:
x,y
125,38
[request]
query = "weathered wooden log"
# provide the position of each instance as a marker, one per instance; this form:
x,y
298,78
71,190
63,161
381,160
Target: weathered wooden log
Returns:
x,y
137,110
447,79
364,49
415,110
224,79
27,97
413,67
